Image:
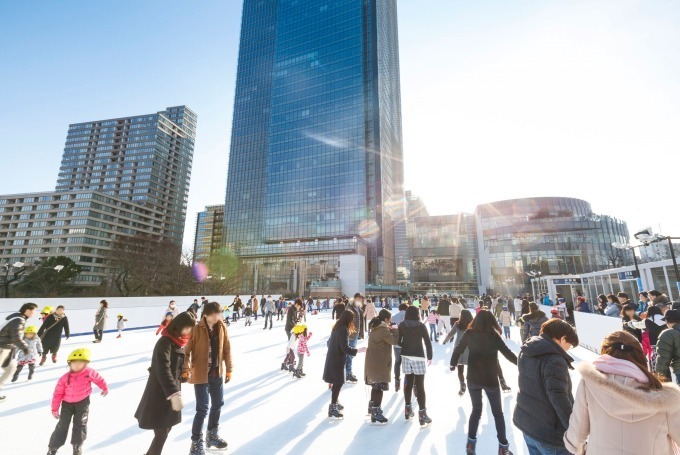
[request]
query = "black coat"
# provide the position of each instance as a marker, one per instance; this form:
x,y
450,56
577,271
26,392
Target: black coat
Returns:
x,y
544,400
532,323
483,351
51,330
412,335
291,318
338,309
154,410
12,333
338,350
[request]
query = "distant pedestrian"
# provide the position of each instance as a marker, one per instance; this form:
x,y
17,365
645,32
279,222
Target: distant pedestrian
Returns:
x,y
100,321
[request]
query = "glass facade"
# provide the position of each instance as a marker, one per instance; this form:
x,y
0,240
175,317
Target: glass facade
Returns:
x,y
444,255
143,159
554,236
316,140
209,232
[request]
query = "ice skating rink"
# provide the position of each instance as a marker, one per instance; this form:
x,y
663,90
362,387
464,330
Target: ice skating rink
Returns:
x,y
266,411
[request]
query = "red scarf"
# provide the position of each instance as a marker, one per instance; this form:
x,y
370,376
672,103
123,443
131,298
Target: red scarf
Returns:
x,y
179,342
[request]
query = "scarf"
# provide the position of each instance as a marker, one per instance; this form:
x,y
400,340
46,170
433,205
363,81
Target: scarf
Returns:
x,y
611,365
179,342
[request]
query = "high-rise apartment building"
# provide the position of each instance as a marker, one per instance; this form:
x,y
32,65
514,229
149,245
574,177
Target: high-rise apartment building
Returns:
x,y
144,159
209,232
315,168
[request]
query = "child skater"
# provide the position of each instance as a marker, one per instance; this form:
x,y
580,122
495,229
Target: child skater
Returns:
x,y
72,394
168,319
248,313
433,320
289,361
300,331
121,325
225,314
35,351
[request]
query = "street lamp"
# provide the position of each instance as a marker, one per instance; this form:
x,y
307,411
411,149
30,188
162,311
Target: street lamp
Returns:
x,y
623,246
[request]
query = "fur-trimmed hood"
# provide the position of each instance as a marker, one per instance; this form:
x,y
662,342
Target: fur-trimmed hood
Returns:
x,y
624,398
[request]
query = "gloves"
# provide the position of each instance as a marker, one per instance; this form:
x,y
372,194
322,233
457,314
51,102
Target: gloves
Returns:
x,y
453,367
227,378
185,378
176,402
105,392
55,414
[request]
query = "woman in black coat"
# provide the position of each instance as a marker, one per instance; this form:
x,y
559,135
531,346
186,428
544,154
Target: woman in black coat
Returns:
x,y
50,333
161,405
338,350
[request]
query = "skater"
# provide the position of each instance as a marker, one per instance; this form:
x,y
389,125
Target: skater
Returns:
x,y
46,311
300,331
338,309
256,305
280,305
506,320
412,336
668,347
483,340
160,407
424,307
50,333
454,310
225,315
100,321
72,394
544,400
620,407
433,320
35,349
208,364
396,320
11,338
121,325
459,329
172,308
292,316
248,314
289,361
194,307
269,308
165,322
338,350
533,321
370,312
355,307
378,370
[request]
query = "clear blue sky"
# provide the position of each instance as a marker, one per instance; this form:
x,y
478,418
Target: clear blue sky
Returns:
x,y
501,98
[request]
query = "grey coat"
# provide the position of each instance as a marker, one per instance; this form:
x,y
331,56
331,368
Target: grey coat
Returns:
x,y
100,319
463,359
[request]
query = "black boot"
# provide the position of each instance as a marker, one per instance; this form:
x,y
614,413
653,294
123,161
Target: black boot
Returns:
x,y
334,412
408,412
284,366
31,370
462,390
471,447
296,374
212,439
424,419
377,415
370,408
197,447
504,386
77,449
17,372
504,449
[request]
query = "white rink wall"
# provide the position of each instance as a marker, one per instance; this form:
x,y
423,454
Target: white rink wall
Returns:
x,y
141,312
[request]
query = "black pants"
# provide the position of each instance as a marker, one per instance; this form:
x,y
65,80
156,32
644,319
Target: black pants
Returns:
x,y
461,373
493,393
78,412
335,393
98,334
31,370
453,321
500,372
48,348
376,397
397,363
160,435
417,382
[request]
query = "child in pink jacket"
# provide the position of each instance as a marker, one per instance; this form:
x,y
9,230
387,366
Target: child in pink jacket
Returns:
x,y
72,394
433,320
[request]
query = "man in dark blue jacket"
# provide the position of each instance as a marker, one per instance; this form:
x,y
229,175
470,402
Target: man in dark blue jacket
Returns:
x,y
545,400
12,338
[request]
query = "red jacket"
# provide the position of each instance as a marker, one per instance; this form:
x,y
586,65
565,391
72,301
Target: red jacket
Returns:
x,y
75,387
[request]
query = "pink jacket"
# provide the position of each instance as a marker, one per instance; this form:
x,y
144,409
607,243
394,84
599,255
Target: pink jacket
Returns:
x,y
302,344
75,387
432,318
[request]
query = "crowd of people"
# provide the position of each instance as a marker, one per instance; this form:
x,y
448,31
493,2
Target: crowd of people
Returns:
x,y
628,387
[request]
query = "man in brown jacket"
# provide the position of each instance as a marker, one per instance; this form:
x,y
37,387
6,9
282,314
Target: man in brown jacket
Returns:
x,y
208,365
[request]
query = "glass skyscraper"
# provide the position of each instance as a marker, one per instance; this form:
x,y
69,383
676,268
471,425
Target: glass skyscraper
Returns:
x,y
315,168
145,159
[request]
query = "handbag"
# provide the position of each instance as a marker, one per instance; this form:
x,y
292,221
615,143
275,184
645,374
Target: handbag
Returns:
x,y
42,337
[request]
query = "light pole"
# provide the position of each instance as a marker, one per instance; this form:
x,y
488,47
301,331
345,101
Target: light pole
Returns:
x,y
638,277
647,237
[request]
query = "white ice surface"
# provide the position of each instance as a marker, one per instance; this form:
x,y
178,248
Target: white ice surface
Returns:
x,y
266,411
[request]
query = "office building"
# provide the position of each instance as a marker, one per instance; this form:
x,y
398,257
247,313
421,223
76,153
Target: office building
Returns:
x,y
315,168
80,225
209,235
142,159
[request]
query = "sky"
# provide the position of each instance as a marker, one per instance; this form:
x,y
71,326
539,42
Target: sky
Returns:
x,y
500,99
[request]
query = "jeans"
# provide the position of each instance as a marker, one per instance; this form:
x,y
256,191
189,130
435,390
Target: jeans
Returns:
x,y
493,393
397,363
540,448
269,317
79,412
433,332
212,392
348,360
11,368
506,331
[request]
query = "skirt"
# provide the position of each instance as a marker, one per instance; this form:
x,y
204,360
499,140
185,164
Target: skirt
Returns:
x,y
410,366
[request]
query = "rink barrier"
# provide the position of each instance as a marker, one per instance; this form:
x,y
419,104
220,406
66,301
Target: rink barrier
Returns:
x,y
592,328
141,312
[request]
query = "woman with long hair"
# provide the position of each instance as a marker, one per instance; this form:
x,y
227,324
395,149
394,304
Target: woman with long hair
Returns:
x,y
458,331
160,408
628,315
483,342
601,304
338,350
613,306
622,407
378,370
412,335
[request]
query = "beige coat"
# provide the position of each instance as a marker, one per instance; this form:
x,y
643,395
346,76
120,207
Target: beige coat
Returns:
x,y
196,360
618,418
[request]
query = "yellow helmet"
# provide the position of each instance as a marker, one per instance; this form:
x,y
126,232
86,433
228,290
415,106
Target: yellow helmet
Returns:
x,y
120,315
47,310
299,328
31,329
80,354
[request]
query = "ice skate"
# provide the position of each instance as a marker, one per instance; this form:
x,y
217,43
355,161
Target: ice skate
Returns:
x,y
43,359
504,449
197,448
333,411
377,416
212,439
296,374
423,418
397,385
408,412
471,447
351,378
